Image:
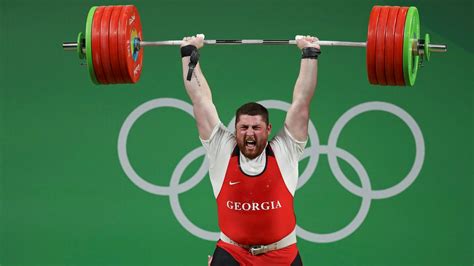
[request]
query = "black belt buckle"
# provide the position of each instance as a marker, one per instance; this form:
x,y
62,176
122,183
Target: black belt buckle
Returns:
x,y
257,250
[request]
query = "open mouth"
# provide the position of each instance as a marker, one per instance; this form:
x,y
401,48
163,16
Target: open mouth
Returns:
x,y
250,144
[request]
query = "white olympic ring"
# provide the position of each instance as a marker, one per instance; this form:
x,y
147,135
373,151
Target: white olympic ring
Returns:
x,y
333,152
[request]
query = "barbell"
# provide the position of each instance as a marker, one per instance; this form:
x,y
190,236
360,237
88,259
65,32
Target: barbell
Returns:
x,y
112,45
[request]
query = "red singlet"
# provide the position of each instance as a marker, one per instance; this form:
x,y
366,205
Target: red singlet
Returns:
x,y
258,209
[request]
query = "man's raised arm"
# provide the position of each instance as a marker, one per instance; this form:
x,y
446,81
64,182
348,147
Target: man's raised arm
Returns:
x,y
197,88
297,116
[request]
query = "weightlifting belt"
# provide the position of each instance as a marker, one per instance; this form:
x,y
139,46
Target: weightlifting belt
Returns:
x,y
261,249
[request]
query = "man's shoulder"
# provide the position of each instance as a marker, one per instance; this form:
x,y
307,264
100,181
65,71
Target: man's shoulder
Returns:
x,y
219,132
221,141
284,145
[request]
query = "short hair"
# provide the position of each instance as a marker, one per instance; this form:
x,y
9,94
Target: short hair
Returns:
x,y
252,108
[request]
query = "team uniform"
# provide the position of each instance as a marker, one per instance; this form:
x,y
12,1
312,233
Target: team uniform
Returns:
x,y
254,199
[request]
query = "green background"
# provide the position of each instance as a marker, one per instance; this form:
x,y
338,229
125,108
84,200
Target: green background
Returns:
x,y
65,200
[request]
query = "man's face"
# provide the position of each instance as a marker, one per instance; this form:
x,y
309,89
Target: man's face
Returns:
x,y
252,135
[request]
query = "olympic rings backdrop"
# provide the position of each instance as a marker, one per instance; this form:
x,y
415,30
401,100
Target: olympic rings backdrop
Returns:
x,y
109,175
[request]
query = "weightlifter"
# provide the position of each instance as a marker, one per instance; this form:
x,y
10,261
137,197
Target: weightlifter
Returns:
x,y
253,179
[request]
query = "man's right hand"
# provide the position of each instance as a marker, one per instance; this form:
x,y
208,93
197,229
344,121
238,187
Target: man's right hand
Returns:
x,y
306,41
197,41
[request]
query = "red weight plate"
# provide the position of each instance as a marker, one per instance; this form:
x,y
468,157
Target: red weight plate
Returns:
x,y
123,50
113,44
380,46
104,44
122,43
370,49
389,45
398,47
96,54
130,28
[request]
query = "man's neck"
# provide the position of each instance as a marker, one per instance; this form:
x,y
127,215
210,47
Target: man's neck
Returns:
x,y
253,166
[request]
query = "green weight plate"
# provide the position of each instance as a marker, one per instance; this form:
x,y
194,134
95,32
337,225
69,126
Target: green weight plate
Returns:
x,y
80,45
410,55
427,48
90,65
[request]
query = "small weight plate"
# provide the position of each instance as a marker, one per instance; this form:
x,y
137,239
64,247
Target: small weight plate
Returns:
x,y
427,47
80,45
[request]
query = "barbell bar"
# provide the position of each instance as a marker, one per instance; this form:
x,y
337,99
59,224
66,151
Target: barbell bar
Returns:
x,y
113,45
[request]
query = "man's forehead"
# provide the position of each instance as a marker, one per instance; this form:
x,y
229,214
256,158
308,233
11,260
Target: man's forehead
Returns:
x,y
250,119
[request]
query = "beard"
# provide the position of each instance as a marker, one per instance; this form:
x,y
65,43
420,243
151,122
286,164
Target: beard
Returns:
x,y
251,147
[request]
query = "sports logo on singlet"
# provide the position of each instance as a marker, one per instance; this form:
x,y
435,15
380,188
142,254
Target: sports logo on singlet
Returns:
x,y
253,206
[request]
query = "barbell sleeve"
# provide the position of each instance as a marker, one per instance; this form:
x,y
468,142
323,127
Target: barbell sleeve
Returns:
x,y
69,46
438,48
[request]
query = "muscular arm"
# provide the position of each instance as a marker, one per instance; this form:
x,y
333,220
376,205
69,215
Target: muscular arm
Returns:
x,y
198,90
297,116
